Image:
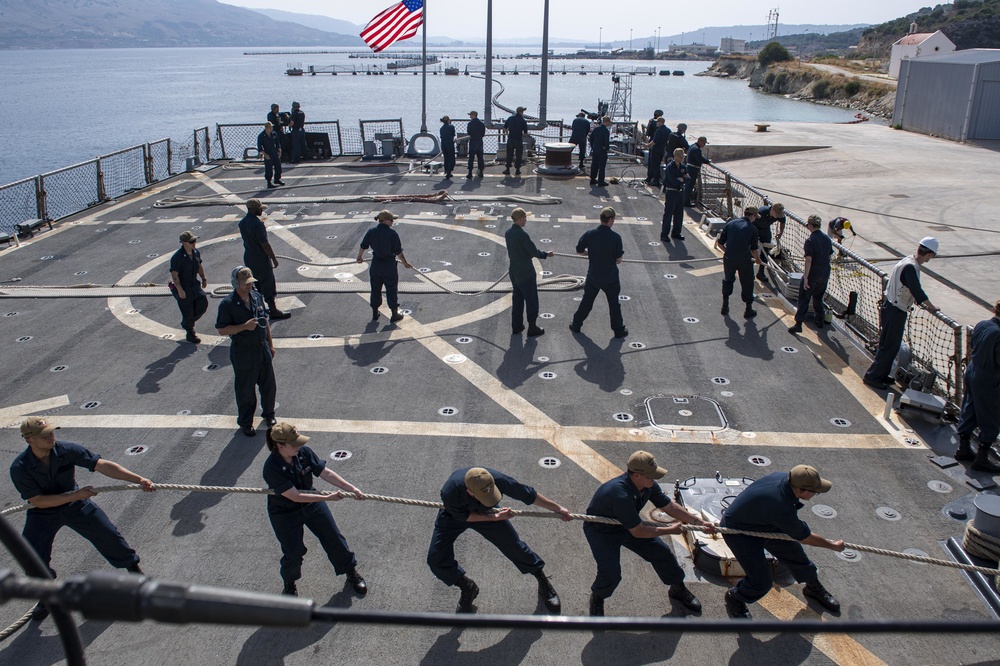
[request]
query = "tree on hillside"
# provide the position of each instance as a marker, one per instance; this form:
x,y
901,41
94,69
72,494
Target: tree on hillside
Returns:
x,y
773,52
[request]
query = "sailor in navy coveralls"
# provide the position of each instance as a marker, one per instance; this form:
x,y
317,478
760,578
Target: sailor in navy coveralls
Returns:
x,y
185,270
622,498
771,504
295,504
469,496
45,475
385,245
259,257
981,400
251,350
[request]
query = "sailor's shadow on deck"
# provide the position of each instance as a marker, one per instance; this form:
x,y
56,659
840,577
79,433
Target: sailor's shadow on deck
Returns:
x,y
270,645
751,341
234,460
513,649
373,349
518,361
602,367
782,649
161,368
619,647
48,650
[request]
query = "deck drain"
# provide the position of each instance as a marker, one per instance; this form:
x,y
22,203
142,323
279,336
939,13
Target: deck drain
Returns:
x,y
790,350
681,401
547,315
11,314
749,435
379,370
912,441
685,412
759,461
637,345
624,298
464,340
315,336
840,422
184,412
331,238
90,404
548,374
546,273
152,255
916,552
577,298
654,243
406,311
849,555
167,336
545,240
939,486
722,381
670,276
726,394
136,450
343,276
690,320
79,273
454,359
303,269
626,391
438,238
642,219
888,513
200,433
555,226
47,257
550,463
423,270
134,242
448,411
543,359
58,368
98,231
211,367
484,254
340,454
824,511
134,311
622,417
491,226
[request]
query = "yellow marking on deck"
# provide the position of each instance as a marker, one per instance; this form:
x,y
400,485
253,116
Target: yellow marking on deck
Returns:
x,y
711,270
784,605
18,412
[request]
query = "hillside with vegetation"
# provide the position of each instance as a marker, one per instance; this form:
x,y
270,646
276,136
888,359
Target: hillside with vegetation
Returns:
x,y
971,24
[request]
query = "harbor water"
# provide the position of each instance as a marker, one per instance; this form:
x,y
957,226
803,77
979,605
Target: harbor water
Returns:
x,y
66,106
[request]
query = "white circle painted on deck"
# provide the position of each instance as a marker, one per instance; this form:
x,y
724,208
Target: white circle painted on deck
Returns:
x,y
78,273
184,412
47,257
546,273
343,276
547,315
340,454
759,461
790,350
134,241
726,394
423,270
302,269
379,370
654,243
406,311
545,240
840,422
549,462
622,417
577,298
58,368
642,219
690,320
637,345
624,298
438,238
464,340
750,435
135,450
626,391
315,336
331,238
543,359
211,367
670,276
454,359
939,486
484,254
548,374
90,404
824,511
491,226
448,411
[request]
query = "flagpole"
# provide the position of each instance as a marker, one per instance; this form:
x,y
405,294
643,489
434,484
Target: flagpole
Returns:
x,y
423,84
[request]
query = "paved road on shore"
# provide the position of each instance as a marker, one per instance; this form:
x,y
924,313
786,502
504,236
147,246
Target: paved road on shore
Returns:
x,y
874,78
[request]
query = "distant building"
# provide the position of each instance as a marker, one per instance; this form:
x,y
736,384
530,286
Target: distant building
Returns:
x,y
694,49
952,95
730,45
917,45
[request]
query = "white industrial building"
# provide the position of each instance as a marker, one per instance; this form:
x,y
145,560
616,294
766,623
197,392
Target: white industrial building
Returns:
x,y
730,45
918,45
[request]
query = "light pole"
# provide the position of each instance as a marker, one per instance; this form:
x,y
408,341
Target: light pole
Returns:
x,y
600,40
657,51
630,39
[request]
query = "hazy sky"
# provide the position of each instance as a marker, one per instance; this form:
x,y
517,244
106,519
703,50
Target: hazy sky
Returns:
x,y
466,19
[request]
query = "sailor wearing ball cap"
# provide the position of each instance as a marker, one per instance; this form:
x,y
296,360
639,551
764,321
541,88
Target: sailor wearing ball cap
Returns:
x,y
469,496
622,498
604,250
901,293
185,269
448,145
771,504
515,128
385,246
477,131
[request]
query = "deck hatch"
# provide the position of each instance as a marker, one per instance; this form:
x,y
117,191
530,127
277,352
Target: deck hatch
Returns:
x,y
685,412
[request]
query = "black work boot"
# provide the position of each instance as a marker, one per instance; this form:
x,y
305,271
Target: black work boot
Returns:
x,y
39,612
725,305
596,606
534,331
134,569
964,451
548,593
395,315
469,176
680,592
375,314
469,593
749,313
357,582
982,462
290,590
815,590
736,608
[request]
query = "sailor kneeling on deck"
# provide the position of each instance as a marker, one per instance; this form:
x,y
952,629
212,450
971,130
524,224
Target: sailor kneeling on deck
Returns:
x,y
622,498
469,496
771,504
295,504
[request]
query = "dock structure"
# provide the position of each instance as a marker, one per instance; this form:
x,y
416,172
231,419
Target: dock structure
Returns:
x,y
453,69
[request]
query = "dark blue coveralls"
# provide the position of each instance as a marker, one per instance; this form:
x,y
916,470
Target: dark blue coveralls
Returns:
x,y
767,505
981,401
600,144
740,237
521,250
659,148
695,160
448,147
195,302
255,258
676,141
385,245
32,478
892,327
452,521
620,499
270,144
578,135
288,518
764,222
603,247
516,127
298,125
819,247
477,131
674,179
250,356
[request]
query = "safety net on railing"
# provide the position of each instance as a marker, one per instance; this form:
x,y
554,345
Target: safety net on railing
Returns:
x,y
202,149
935,341
160,154
70,189
123,171
235,138
17,204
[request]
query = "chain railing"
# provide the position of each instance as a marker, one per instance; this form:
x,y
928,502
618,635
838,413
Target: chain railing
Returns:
x,y
18,203
935,340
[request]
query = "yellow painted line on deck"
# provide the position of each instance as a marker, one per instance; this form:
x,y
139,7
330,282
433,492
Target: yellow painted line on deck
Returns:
x,y
784,605
18,412
711,270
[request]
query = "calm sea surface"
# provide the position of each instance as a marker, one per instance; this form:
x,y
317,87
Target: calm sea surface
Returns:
x,y
63,107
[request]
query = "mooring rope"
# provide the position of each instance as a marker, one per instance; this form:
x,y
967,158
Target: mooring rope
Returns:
x,y
20,622
440,196
645,261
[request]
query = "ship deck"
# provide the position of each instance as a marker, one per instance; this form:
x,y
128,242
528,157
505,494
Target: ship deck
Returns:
x,y
561,412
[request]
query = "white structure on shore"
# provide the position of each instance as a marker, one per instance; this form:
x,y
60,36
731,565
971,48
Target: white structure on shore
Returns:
x,y
917,44
730,45
694,49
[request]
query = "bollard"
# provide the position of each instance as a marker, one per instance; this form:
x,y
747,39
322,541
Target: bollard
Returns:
x,y
889,400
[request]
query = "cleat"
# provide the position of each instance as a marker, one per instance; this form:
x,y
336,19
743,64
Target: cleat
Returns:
x,y
685,596
817,592
357,582
737,609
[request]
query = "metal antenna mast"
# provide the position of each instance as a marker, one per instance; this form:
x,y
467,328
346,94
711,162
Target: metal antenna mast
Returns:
x,y
772,24
620,109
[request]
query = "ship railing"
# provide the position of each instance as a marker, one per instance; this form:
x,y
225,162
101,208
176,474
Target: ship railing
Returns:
x,y
19,202
201,149
936,341
235,138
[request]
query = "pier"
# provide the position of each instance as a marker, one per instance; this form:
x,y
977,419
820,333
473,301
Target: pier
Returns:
x,y
468,70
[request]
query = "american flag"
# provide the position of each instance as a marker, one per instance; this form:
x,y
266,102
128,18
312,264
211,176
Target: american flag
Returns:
x,y
398,22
